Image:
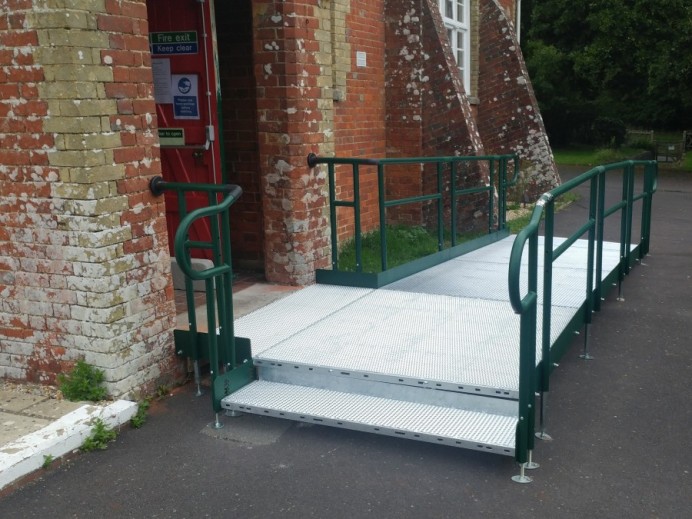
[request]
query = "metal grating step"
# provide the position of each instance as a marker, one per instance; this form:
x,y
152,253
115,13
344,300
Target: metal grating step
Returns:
x,y
284,318
420,340
423,422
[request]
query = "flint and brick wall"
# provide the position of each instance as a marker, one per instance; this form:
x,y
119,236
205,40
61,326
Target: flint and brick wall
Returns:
x,y
295,117
508,115
84,264
428,112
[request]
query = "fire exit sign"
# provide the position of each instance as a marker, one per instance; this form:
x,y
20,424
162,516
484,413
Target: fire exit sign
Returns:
x,y
173,42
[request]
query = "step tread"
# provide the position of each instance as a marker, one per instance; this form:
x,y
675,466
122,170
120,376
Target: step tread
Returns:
x,y
430,338
425,422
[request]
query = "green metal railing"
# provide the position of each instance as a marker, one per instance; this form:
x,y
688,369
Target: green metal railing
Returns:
x,y
532,380
228,356
446,190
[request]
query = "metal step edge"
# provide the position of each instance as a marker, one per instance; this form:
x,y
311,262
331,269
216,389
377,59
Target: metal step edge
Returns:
x,y
373,387
457,387
473,430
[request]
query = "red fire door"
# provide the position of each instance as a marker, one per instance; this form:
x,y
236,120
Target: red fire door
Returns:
x,y
182,40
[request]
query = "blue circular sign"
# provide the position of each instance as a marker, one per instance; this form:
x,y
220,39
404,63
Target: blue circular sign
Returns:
x,y
184,85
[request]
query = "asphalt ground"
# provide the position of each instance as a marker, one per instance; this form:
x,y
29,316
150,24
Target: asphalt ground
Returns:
x,y
621,423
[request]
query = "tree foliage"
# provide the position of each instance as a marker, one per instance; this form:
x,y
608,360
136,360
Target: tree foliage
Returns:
x,y
614,59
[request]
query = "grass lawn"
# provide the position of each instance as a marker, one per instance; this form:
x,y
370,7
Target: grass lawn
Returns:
x,y
404,244
583,156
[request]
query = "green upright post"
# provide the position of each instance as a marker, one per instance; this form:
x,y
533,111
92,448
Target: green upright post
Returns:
x,y
600,219
453,208
383,216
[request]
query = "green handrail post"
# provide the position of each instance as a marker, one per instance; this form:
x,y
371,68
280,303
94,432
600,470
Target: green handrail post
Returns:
x,y
226,292
546,363
590,260
332,214
526,307
383,216
453,208
623,230
218,280
630,209
491,195
600,227
502,212
440,209
356,218
650,185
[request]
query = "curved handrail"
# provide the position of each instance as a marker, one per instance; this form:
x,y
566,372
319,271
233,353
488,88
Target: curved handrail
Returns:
x,y
519,304
232,193
532,227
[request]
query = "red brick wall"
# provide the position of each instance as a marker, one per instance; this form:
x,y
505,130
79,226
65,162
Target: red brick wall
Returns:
x,y
25,187
239,107
359,117
404,59
149,359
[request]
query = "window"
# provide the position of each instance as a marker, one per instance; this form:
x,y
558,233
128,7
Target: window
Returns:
x,y
456,14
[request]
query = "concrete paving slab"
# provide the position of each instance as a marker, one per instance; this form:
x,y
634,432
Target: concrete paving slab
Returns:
x,y
257,296
14,426
14,402
245,301
52,408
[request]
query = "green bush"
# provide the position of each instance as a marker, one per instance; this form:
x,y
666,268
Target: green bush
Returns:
x,y
85,382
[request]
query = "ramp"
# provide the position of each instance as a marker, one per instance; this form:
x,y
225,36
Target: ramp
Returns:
x,y
432,357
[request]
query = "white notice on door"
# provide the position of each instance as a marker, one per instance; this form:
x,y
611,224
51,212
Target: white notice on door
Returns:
x,y
161,69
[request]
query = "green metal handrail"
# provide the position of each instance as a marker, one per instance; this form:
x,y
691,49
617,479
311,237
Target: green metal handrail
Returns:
x,y
218,280
356,203
526,306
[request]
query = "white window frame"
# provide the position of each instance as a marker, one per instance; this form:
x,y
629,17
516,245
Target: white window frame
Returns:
x,y
459,33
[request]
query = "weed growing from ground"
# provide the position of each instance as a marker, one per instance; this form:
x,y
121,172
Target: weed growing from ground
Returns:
x,y
140,416
162,391
85,382
100,437
48,459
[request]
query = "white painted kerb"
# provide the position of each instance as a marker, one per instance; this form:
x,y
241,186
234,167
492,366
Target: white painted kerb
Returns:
x,y
27,454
